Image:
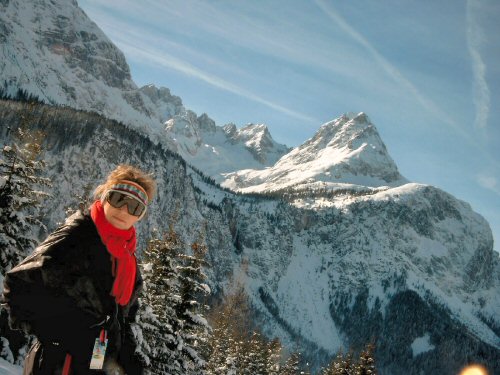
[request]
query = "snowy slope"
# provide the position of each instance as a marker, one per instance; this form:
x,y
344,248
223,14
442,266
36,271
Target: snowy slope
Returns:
x,y
216,150
409,265
347,150
258,141
8,369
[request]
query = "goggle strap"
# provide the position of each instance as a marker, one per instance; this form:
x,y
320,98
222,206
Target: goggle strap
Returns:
x,y
131,190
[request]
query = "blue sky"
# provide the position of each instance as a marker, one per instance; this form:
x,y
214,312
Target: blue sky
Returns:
x,y
427,74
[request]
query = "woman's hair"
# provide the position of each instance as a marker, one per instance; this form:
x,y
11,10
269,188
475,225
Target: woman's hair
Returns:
x,y
129,173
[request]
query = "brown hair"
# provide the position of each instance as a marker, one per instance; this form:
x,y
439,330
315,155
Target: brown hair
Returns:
x,y
129,173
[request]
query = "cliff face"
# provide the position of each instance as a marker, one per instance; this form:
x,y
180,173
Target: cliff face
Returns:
x,y
409,266
52,50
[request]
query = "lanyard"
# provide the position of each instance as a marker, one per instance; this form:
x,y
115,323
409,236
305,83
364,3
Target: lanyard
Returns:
x,y
67,364
103,336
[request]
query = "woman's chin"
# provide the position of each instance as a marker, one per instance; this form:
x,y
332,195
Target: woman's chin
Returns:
x,y
119,224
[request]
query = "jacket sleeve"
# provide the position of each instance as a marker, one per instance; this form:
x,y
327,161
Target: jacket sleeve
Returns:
x,y
47,293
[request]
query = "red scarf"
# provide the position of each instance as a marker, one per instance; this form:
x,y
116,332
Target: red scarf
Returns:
x,y
121,245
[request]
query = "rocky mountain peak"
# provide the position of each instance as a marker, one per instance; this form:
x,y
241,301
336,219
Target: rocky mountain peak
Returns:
x,y
206,124
356,143
63,34
161,95
163,104
343,131
230,130
347,150
258,140
185,124
66,59
250,132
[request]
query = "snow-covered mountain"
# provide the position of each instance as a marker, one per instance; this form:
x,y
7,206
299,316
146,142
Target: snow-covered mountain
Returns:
x,y
409,266
258,141
216,150
346,151
54,51
339,250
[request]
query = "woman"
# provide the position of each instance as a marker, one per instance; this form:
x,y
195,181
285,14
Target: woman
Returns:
x,y
77,293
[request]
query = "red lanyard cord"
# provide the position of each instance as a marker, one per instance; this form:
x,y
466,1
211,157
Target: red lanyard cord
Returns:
x,y
103,336
67,365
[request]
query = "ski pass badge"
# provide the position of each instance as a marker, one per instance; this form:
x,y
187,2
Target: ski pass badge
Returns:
x,y
99,351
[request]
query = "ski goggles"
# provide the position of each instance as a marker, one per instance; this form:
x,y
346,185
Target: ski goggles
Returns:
x,y
118,199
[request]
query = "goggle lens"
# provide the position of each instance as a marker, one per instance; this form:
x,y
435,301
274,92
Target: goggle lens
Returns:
x,y
118,200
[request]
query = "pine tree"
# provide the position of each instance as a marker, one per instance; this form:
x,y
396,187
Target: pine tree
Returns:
x,y
335,367
254,360
235,345
83,200
21,167
341,365
156,333
193,326
344,364
273,357
171,323
366,362
292,365
230,326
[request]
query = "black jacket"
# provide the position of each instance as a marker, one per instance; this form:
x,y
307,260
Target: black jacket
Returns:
x,y
61,294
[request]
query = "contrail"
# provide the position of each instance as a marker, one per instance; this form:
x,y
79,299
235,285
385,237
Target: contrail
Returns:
x,y
480,88
386,65
133,43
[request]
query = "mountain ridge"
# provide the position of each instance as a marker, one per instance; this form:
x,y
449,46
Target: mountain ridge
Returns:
x,y
77,65
333,260
347,150
352,269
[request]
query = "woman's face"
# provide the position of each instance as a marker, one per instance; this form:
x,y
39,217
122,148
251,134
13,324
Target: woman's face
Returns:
x,y
119,217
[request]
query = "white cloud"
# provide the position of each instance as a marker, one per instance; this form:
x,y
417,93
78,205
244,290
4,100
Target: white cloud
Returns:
x,y
489,182
475,39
